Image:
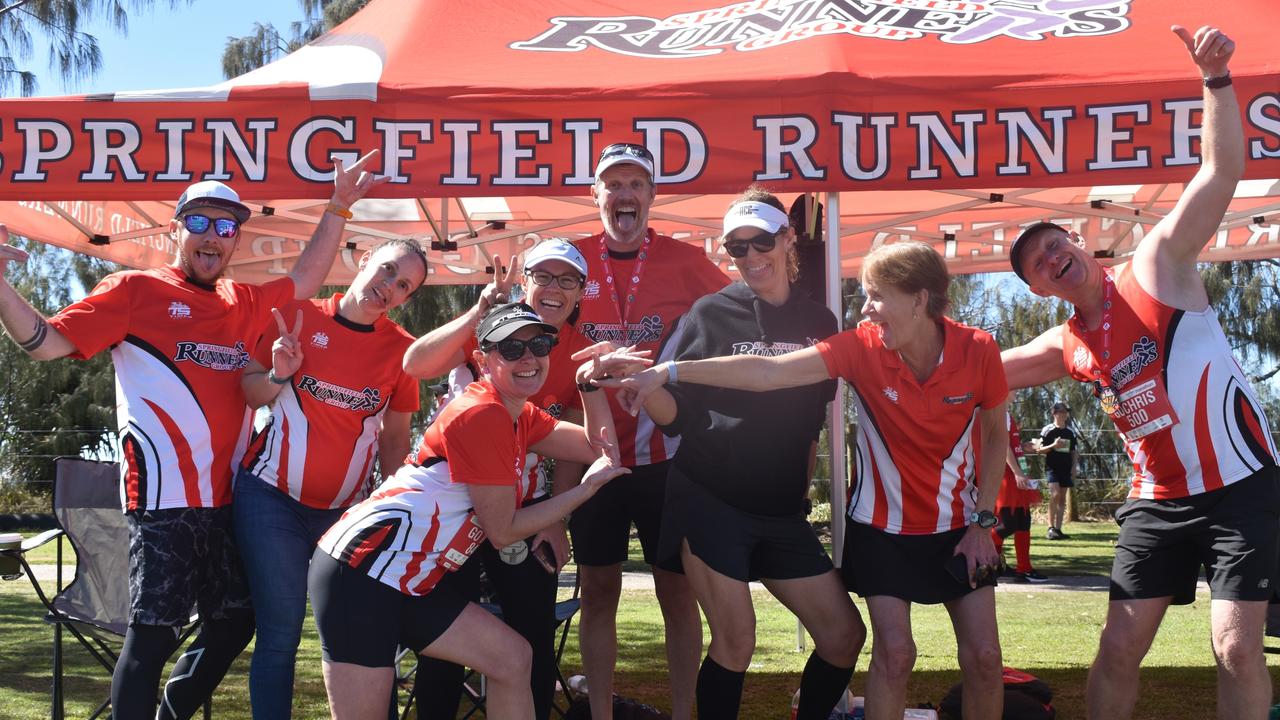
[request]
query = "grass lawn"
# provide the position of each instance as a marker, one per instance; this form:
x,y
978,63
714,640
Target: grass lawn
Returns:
x,y
1051,633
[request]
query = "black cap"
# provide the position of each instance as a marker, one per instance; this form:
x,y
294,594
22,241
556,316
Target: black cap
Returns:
x,y
1061,407
1020,244
503,320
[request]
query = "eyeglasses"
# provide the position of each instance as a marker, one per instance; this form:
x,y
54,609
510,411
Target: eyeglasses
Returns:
x,y
222,227
629,149
762,243
544,278
513,349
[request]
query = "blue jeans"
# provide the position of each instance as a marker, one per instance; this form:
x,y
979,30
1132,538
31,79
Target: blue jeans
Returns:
x,y
276,535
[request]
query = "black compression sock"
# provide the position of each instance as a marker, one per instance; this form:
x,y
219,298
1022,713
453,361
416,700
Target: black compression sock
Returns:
x,y
821,686
203,664
719,691
137,672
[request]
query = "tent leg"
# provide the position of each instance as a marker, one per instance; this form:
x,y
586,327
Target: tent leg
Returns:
x,y
837,435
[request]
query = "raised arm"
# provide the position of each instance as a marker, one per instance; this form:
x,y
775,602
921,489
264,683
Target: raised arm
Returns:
x,y
349,185
1165,261
1036,363
438,351
23,323
262,385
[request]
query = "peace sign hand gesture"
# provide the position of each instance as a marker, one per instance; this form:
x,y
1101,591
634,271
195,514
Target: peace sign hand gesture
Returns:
x,y
9,253
286,351
351,183
498,291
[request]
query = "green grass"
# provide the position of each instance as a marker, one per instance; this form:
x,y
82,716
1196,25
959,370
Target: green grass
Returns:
x,y
1052,634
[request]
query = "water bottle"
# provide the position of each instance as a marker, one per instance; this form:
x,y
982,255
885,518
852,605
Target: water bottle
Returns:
x,y
578,684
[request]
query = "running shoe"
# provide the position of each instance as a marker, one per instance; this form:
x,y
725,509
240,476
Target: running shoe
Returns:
x,y
1032,576
1054,534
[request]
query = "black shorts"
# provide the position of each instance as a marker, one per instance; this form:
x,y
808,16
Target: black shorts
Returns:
x,y
908,567
601,526
1061,479
180,559
1012,520
735,543
362,620
1232,532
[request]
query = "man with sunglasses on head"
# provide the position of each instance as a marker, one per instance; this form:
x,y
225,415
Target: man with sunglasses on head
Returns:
x,y
1205,489
180,337
642,284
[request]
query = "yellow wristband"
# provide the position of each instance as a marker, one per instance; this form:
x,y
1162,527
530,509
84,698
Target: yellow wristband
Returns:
x,y
338,210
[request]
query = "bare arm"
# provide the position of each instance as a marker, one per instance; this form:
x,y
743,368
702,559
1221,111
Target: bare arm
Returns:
x,y
349,185
393,441
1011,460
438,351
1036,363
976,544
286,358
23,323
504,524
1165,261
566,473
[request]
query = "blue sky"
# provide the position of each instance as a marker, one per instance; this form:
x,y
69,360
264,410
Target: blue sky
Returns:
x,y
165,47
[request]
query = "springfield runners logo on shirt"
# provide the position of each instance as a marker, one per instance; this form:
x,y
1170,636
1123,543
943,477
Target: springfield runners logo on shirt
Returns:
x,y
649,329
764,349
1144,353
763,24
214,357
340,397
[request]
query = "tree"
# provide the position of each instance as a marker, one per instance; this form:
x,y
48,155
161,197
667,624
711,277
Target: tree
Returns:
x,y
62,407
265,44
73,54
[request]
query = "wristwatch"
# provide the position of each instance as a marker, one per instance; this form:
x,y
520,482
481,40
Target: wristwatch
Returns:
x,y
984,519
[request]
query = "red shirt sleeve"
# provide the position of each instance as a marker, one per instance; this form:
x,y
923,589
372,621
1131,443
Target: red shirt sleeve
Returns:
x,y
840,353
995,388
707,278
100,320
481,446
537,423
406,397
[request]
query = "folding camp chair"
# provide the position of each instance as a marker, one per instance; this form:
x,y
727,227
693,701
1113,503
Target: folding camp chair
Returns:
x,y
94,606
473,684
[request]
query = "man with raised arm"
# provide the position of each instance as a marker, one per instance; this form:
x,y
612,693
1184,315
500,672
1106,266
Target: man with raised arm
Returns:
x,y
1205,483
641,285
180,337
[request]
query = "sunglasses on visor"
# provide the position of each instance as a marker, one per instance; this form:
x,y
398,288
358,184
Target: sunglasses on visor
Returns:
x,y
630,149
762,243
222,227
513,349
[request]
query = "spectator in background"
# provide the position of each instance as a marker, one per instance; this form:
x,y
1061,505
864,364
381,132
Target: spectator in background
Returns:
x,y
1061,458
1013,506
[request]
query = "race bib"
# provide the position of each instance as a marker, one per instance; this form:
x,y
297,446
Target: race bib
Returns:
x,y
464,543
1142,410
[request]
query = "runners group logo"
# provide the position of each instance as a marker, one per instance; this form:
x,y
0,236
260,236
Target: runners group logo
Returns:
x,y
1145,351
764,349
320,340
179,310
1080,358
891,394
649,329
364,400
214,357
591,290
762,24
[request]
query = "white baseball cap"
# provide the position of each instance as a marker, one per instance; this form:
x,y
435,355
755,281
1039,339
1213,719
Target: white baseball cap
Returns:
x,y
211,193
619,153
555,249
754,214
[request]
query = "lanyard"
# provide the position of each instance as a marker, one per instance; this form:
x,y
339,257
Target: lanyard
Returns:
x,y
1106,393
624,311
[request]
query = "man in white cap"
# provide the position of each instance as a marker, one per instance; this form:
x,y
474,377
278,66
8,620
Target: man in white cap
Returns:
x,y
180,337
641,284
1205,488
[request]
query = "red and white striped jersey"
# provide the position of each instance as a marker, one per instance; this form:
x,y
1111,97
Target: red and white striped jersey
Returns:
x,y
918,443
1010,494
558,393
671,276
420,524
179,349
1215,432
321,440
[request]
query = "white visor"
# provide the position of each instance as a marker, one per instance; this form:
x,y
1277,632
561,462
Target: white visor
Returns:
x,y
754,214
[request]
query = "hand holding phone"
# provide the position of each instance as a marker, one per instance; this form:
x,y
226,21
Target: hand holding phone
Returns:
x,y
545,557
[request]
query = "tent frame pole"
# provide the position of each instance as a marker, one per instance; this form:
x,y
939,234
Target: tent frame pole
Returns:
x,y
836,434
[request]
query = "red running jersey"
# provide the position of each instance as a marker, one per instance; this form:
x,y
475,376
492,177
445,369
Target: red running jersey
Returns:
x,y
322,438
1190,419
179,350
918,444
419,525
1010,495
672,276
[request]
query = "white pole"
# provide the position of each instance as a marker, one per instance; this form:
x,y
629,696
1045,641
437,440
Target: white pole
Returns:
x,y
836,305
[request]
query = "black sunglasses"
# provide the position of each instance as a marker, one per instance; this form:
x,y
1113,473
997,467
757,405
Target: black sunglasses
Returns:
x,y
222,227
631,149
544,278
762,243
513,349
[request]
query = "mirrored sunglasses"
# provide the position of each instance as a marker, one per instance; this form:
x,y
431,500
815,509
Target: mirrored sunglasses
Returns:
x,y
513,349
544,278
762,243
630,149
222,227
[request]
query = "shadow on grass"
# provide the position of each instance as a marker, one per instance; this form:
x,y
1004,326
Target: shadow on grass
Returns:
x,y
26,662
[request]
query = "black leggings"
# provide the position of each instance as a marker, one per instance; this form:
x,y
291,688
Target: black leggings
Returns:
x,y
195,675
527,595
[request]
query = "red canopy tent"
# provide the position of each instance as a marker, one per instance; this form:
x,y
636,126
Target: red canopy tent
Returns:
x,y
952,122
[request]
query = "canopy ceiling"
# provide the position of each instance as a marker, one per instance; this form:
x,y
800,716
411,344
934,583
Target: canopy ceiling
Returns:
x,y
952,122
